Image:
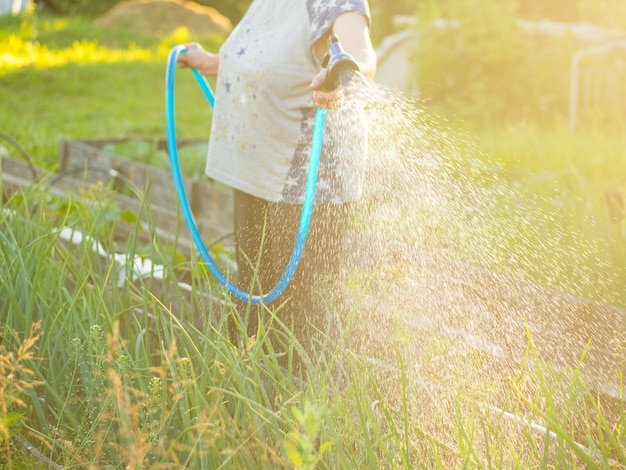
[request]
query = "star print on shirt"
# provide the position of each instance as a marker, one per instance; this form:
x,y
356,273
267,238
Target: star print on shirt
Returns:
x,y
227,84
241,52
323,13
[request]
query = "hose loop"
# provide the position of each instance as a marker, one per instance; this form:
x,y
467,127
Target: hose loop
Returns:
x,y
307,206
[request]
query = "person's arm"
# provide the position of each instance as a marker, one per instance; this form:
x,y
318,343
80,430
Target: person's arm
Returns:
x,y
197,58
352,29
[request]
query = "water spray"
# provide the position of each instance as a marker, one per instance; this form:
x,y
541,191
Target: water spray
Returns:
x,y
339,64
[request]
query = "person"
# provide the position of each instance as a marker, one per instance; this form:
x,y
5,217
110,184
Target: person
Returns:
x,y
269,83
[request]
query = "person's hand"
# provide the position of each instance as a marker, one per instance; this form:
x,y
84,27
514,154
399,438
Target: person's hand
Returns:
x,y
325,98
196,57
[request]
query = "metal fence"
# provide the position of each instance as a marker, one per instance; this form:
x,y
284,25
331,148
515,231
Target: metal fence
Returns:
x,y
598,85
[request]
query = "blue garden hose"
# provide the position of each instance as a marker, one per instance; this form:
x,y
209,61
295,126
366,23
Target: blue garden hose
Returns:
x,y
307,206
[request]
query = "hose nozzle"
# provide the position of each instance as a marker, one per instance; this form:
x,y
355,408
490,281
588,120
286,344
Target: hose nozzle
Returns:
x,y
339,64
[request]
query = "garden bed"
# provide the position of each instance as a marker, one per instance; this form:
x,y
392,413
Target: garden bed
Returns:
x,y
210,203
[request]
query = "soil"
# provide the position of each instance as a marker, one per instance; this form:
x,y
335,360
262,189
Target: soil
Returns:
x,y
162,17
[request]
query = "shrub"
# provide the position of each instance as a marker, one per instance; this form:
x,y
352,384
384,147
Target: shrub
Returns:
x,y
479,65
79,7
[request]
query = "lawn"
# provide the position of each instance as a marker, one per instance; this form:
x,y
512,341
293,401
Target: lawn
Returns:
x,y
79,82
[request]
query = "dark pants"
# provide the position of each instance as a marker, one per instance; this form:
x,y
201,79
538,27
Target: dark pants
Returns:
x,y
265,234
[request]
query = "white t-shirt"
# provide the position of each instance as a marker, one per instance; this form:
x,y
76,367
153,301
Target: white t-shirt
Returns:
x,y
264,112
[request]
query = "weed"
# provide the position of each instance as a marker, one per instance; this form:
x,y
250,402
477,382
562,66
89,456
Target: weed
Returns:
x,y
17,379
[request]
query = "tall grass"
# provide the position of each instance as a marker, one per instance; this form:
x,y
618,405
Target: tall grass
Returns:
x,y
122,378
141,374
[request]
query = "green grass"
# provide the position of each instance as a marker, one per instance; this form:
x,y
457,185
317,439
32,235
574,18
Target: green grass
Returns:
x,y
81,82
578,180
557,202
142,374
